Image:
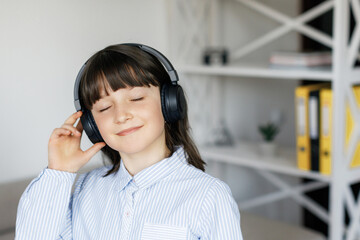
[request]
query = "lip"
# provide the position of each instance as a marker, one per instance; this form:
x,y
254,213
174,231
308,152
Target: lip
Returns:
x,y
128,131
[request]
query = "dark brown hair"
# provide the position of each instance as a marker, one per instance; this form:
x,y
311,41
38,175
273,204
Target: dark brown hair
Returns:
x,y
121,66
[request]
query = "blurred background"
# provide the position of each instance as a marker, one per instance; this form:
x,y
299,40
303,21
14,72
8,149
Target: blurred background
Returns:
x,y
43,44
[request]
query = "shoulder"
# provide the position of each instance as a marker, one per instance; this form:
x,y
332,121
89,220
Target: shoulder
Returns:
x,y
191,172
219,187
188,172
213,189
218,200
218,213
206,185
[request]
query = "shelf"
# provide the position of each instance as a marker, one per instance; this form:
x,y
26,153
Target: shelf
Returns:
x,y
247,155
258,71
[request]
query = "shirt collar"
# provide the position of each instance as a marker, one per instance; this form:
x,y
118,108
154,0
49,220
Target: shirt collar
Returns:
x,y
152,174
123,177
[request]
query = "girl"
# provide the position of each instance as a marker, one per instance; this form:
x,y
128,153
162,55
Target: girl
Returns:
x,y
155,187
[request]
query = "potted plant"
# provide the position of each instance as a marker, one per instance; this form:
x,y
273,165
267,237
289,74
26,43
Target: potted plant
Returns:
x,y
268,133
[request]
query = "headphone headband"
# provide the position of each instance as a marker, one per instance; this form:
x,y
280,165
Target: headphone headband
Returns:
x,y
169,67
165,62
77,87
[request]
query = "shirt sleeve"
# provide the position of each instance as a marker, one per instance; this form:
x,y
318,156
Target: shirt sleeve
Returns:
x,y
219,217
45,206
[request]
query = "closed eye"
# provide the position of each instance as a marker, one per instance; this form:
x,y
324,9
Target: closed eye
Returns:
x,y
104,109
137,99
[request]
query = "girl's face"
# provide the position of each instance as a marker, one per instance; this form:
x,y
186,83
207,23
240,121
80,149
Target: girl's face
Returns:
x,y
130,119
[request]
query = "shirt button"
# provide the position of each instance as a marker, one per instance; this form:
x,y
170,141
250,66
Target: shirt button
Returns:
x,y
127,214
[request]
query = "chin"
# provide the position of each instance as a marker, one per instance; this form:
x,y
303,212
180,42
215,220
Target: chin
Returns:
x,y
129,148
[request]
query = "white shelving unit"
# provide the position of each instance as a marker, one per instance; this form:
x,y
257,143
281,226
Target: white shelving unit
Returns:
x,y
257,71
198,25
247,155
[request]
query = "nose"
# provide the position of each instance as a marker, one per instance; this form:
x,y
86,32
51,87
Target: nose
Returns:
x,y
123,114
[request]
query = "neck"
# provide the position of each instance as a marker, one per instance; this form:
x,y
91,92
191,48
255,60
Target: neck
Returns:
x,y
136,162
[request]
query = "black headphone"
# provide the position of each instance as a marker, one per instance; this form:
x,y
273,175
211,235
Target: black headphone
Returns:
x,y
173,103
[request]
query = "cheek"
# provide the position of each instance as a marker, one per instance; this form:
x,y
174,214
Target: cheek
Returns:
x,y
156,113
101,123
106,131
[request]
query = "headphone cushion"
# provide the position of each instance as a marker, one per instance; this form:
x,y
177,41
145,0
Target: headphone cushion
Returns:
x,y
90,127
173,103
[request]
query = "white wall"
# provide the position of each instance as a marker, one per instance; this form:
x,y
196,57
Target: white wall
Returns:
x,y
43,44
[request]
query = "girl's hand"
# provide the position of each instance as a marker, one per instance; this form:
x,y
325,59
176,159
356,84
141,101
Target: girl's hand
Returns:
x,y
64,150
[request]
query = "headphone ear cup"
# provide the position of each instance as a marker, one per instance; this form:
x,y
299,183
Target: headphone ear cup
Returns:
x,y
90,128
173,103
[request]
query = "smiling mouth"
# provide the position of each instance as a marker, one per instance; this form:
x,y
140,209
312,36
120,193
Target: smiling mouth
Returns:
x,y
128,131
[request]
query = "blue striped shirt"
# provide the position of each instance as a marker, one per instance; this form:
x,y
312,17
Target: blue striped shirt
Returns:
x,y
169,200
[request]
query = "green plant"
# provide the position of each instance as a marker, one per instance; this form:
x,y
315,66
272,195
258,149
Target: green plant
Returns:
x,y
269,131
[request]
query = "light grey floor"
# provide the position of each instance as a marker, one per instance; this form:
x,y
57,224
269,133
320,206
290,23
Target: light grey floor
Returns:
x,y
258,228
8,236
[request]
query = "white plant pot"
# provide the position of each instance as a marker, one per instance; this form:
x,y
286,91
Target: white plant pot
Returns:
x,y
268,149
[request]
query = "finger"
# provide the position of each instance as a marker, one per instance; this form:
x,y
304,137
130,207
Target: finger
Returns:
x,y
94,149
72,129
58,132
79,126
72,119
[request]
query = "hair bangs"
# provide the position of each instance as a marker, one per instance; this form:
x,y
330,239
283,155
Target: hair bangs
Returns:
x,y
112,71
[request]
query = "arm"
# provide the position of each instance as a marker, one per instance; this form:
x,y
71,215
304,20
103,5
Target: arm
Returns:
x,y
44,207
219,217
